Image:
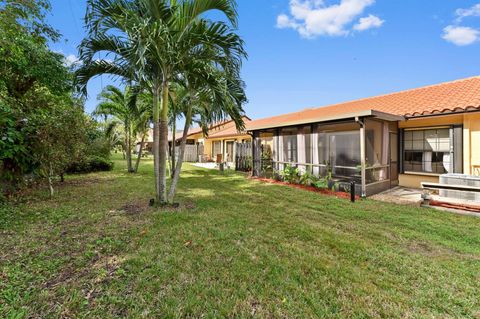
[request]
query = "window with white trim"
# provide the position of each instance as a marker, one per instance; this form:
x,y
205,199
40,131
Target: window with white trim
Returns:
x,y
217,148
427,151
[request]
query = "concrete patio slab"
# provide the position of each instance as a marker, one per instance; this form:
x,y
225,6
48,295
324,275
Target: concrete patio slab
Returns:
x,y
413,196
400,195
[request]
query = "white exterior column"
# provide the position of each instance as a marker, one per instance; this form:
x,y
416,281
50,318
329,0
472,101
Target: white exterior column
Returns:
x,y
362,158
222,150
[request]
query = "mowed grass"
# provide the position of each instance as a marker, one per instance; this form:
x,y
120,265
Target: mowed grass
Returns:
x,y
235,248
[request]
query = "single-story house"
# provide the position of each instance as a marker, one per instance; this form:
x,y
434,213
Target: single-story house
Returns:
x,y
402,138
220,141
148,142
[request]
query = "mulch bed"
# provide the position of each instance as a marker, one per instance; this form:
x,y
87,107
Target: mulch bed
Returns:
x,y
466,207
307,188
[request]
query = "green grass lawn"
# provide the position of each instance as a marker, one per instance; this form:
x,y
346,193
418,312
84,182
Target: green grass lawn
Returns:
x,y
236,248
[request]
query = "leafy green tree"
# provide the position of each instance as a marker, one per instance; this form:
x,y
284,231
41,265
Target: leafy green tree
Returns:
x,y
19,17
41,122
58,143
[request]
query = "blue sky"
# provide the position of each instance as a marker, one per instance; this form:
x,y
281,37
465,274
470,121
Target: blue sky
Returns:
x,y
306,53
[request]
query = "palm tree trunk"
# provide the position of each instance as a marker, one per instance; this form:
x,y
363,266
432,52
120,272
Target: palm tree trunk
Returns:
x,y
140,151
129,147
156,140
183,143
163,144
174,127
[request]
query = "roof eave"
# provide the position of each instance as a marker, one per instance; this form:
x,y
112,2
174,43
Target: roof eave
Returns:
x,y
352,115
387,116
228,135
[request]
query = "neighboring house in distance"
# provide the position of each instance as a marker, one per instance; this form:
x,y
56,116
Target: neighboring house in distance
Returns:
x,y
402,138
221,140
148,143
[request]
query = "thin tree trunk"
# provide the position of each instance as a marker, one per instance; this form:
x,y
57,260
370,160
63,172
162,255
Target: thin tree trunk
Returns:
x,y
129,156
183,143
128,146
174,128
156,140
140,151
169,164
50,183
163,144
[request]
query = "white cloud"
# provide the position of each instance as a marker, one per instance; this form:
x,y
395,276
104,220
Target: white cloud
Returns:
x,y
369,22
470,12
68,60
71,60
284,21
312,18
460,35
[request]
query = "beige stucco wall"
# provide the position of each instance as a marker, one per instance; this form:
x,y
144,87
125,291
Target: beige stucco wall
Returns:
x,y
196,137
208,144
471,143
414,180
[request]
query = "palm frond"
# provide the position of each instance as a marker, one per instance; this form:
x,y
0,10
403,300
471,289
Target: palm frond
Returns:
x,y
96,68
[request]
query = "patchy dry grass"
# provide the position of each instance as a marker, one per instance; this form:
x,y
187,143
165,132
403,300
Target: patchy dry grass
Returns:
x,y
234,248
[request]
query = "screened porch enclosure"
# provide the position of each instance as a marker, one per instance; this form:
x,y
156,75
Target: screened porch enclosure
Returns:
x,y
360,150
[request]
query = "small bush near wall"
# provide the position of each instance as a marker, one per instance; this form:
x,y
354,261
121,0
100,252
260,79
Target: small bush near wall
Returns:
x,y
292,175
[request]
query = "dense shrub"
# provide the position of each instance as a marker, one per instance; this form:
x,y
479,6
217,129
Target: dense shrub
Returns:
x,y
290,174
90,164
100,164
42,121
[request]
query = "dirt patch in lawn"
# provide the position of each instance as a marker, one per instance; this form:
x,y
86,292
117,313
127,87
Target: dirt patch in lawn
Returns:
x,y
138,207
134,208
435,251
177,207
69,274
188,206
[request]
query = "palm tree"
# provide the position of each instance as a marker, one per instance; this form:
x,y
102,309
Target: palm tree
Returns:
x,y
143,123
177,101
123,106
209,95
114,134
158,38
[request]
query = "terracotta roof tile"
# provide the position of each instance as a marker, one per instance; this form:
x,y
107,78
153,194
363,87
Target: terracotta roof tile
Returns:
x,y
213,126
230,132
455,96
